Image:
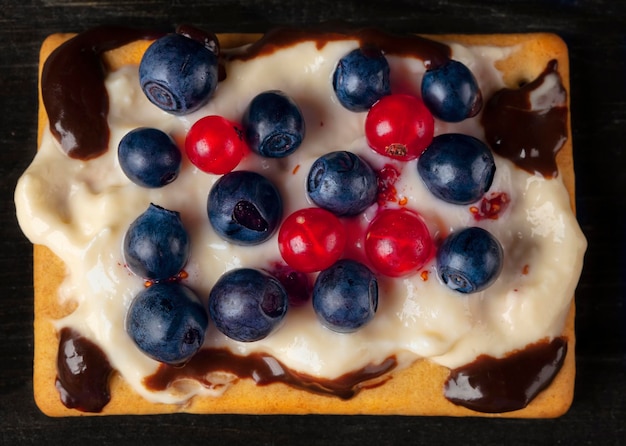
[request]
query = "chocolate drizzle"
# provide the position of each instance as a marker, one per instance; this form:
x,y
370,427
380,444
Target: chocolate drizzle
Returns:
x,y
409,45
265,369
529,130
73,91
495,385
83,372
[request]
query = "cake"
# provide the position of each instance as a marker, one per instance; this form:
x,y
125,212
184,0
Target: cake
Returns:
x,y
423,348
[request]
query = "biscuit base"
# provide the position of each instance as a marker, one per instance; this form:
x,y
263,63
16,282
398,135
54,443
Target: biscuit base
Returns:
x,y
417,390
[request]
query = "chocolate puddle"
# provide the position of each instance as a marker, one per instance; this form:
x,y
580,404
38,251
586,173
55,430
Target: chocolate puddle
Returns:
x,y
530,135
495,385
73,91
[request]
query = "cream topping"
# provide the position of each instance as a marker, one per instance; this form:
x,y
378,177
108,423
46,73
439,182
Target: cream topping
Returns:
x,y
81,211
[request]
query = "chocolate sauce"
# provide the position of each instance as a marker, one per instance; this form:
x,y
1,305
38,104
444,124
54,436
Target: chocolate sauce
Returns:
x,y
83,372
531,138
73,91
501,385
265,369
432,53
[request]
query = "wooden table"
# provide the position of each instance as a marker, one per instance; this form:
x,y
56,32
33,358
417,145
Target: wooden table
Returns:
x,y
596,34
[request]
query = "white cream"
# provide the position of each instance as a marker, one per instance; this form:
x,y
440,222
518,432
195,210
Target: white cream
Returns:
x,y
81,210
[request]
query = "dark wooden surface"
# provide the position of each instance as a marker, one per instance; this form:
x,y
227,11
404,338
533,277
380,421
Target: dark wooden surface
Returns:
x,y
596,34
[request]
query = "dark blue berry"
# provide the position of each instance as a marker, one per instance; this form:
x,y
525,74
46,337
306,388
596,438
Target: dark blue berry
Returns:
x,y
156,245
345,296
457,168
361,78
469,260
273,125
247,304
244,207
167,322
178,74
450,92
342,183
149,157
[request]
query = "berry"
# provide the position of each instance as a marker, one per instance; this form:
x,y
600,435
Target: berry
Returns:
x,y
156,245
274,126
457,168
450,92
215,145
491,207
247,304
342,183
399,126
167,322
387,177
244,207
469,260
345,296
311,239
149,157
178,74
397,242
296,283
361,78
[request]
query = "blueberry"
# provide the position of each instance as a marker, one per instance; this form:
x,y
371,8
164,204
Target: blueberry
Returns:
x,y
178,74
342,183
469,260
156,245
167,322
273,123
457,168
361,78
450,92
345,296
247,304
149,157
244,207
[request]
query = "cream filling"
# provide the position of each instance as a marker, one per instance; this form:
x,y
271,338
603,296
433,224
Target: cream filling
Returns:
x,y
81,211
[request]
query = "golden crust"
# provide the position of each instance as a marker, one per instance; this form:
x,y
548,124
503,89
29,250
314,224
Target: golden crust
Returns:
x,y
398,395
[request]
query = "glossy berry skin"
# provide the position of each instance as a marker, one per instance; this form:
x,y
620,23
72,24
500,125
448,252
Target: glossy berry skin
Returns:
x,y
469,260
311,239
399,126
244,207
273,123
149,157
247,304
215,145
156,245
457,168
342,183
167,322
178,74
398,243
361,78
451,92
345,296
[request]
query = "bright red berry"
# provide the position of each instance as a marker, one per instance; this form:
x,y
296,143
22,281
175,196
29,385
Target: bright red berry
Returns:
x,y
398,243
215,145
399,126
311,239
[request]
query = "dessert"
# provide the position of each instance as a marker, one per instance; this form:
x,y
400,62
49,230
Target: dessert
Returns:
x,y
423,330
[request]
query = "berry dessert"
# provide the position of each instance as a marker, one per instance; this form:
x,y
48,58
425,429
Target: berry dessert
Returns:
x,y
348,222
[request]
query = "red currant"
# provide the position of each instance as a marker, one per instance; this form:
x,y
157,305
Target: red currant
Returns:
x,y
397,242
215,145
311,239
296,283
399,126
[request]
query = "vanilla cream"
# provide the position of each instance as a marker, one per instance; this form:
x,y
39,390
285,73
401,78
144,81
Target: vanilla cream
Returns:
x,y
81,210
